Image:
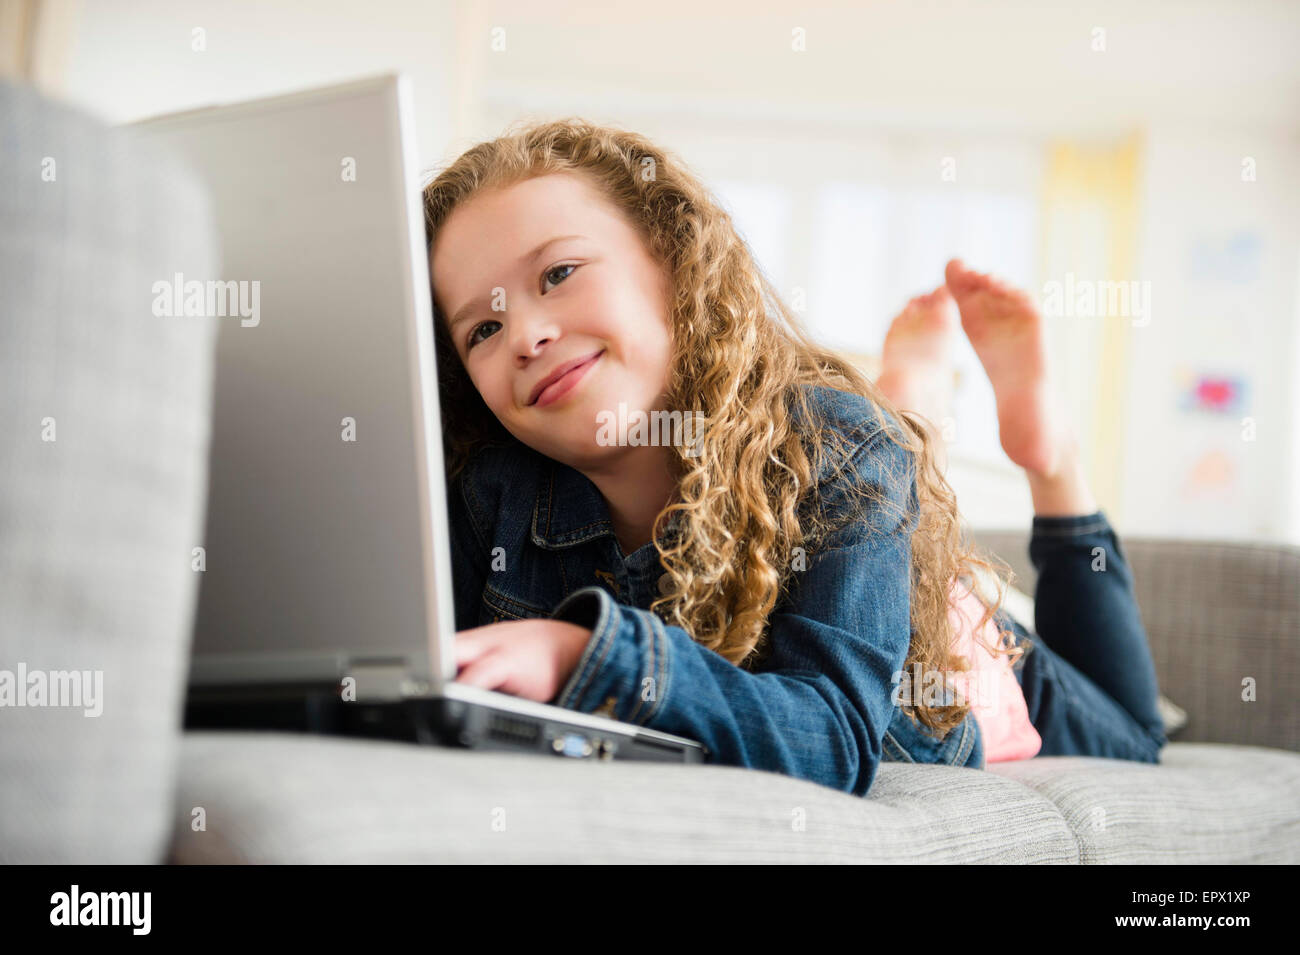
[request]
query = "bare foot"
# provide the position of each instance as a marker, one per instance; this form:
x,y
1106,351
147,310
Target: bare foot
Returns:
x,y
916,361
1006,331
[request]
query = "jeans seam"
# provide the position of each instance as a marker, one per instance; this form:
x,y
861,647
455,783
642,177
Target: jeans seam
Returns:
x,y
498,600
587,667
889,740
660,639
965,744
649,641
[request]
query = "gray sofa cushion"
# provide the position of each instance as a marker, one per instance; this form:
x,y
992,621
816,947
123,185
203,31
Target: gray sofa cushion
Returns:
x,y
1205,802
96,527
288,798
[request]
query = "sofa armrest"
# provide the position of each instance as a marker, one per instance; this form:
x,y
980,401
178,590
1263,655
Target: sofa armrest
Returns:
x,y
1217,614
104,437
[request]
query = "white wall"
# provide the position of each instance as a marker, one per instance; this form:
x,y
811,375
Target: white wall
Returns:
x,y
879,91
1221,256
885,89
125,61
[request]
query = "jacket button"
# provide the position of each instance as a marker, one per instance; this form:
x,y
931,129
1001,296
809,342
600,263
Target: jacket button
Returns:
x,y
665,584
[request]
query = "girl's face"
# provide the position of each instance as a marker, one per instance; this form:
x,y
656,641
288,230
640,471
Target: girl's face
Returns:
x,y
571,278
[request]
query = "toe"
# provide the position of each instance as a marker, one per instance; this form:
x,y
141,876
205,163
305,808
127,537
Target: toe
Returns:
x,y
959,278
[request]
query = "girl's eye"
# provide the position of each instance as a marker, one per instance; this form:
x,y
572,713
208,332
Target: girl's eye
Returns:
x,y
557,268
473,332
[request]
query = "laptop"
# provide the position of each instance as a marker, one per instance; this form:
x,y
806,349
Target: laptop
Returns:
x,y
325,599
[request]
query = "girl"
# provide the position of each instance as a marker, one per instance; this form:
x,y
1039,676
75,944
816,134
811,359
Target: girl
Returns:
x,y
784,588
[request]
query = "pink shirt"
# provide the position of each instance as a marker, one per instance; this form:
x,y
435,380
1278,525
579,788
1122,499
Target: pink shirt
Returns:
x,y
996,699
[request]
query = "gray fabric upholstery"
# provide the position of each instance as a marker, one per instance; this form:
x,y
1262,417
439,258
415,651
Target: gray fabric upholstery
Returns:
x,y
286,798
1215,614
1205,802
96,527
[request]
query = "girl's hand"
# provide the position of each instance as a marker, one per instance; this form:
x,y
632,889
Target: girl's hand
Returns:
x,y
529,658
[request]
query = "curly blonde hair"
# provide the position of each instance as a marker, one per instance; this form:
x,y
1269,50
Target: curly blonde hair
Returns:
x,y
741,357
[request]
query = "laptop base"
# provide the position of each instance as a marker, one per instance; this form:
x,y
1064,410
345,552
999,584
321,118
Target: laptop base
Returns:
x,y
434,721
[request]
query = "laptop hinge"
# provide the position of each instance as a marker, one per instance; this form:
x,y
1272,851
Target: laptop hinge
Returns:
x,y
371,680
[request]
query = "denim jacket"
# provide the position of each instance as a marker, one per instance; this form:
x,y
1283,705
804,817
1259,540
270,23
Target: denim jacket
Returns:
x,y
819,706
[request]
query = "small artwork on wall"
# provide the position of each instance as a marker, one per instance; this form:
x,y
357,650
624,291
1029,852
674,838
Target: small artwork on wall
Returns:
x,y
1213,472
1209,392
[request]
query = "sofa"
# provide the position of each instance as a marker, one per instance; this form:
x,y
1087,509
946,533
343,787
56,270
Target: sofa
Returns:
x,y
97,573
1224,792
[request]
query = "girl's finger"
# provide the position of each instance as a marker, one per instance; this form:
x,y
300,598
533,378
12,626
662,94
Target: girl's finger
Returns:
x,y
489,672
471,645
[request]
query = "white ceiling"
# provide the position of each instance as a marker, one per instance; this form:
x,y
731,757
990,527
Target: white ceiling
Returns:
x,y
1018,63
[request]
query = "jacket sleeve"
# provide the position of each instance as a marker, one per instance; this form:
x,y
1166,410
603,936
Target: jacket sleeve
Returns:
x,y
819,707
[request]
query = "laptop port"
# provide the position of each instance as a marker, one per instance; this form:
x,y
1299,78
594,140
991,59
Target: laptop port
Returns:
x,y
572,744
511,730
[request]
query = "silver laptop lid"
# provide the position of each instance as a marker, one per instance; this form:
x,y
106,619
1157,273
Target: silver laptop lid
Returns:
x,y
327,515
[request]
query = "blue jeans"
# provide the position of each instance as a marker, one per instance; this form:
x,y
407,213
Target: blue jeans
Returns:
x,y
1088,680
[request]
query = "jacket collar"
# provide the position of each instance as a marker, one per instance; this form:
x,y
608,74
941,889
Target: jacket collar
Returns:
x,y
569,509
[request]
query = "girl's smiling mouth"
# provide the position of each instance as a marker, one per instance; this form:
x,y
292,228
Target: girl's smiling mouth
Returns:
x,y
567,382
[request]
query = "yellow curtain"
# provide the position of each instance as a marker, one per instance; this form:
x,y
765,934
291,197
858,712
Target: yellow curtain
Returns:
x,y
17,23
1089,228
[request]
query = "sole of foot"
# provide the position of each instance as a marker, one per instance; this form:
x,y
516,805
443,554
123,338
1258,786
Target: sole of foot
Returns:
x,y
1005,328
916,360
